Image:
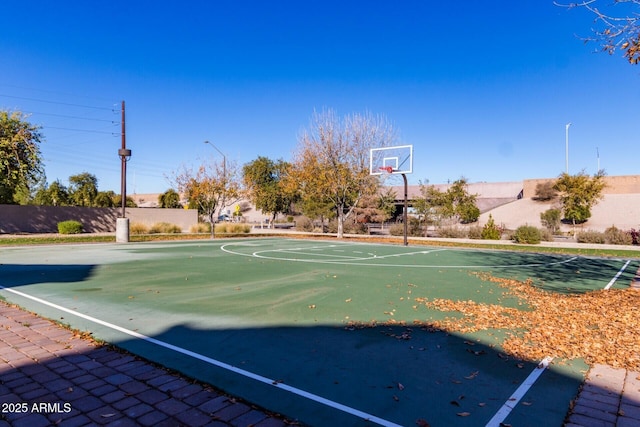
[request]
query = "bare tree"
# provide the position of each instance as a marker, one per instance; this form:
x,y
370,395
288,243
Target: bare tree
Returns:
x,y
617,29
332,159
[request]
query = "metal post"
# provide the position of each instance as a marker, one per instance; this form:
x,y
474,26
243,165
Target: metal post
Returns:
x,y
566,138
404,214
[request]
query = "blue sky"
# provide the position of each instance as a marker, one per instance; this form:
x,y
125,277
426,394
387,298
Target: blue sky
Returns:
x,y
481,89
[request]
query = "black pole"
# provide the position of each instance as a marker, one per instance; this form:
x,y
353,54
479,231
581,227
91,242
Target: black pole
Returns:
x,y
404,214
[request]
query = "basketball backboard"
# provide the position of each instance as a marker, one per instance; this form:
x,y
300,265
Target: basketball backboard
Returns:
x,y
391,160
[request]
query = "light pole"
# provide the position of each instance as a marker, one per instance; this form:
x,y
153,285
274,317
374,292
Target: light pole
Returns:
x,y
224,177
224,160
566,129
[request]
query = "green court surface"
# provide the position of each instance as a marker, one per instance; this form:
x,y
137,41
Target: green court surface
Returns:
x,y
272,321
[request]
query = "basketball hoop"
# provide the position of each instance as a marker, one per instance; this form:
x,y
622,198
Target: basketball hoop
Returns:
x,y
387,169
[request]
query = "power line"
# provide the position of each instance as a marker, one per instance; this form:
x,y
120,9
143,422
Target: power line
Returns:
x,y
59,103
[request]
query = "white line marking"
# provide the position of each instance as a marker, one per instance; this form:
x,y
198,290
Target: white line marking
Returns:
x,y
264,254
511,403
617,275
302,393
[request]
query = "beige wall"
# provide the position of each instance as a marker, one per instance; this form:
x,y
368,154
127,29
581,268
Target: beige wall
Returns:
x,y
45,219
625,184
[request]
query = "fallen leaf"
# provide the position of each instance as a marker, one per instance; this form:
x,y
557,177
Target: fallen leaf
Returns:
x,y
463,414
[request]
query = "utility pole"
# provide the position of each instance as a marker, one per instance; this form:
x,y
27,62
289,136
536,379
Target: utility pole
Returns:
x,y
122,223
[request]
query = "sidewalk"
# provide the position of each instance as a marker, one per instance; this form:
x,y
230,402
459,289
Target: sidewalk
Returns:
x,y
52,376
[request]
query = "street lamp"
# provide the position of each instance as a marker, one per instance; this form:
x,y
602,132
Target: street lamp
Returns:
x,y
224,177
224,160
566,129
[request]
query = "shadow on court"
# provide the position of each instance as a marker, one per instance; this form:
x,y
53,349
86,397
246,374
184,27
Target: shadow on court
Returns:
x,y
400,374
12,275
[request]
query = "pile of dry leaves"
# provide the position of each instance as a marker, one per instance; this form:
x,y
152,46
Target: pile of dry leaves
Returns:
x,y
600,326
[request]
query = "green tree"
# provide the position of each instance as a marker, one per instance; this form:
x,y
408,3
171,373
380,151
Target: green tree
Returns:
x,y
105,199
83,189
386,204
331,161
263,180
54,194
431,206
551,219
170,199
20,159
117,201
578,194
455,203
461,204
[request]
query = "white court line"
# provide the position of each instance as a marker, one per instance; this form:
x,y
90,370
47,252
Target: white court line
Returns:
x,y
223,365
617,275
511,403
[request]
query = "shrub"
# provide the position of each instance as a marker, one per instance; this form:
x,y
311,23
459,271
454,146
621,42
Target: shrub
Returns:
x,y
452,232
635,236
545,191
491,231
201,227
232,228
69,227
164,228
349,227
590,236
304,224
551,219
615,236
475,232
545,235
138,228
527,234
414,229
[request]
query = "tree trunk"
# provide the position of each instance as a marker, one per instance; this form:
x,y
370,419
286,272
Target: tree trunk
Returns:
x,y
213,225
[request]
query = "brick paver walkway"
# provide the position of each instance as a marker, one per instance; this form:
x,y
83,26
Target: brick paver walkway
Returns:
x,y
52,376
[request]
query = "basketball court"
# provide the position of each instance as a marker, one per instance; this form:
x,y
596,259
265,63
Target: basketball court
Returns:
x,y
325,332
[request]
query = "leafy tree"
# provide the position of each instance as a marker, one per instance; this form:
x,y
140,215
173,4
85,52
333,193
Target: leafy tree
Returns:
x,y
20,158
83,189
614,31
331,160
431,206
117,201
209,188
386,204
54,194
105,199
579,193
461,204
170,199
551,219
455,203
263,179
